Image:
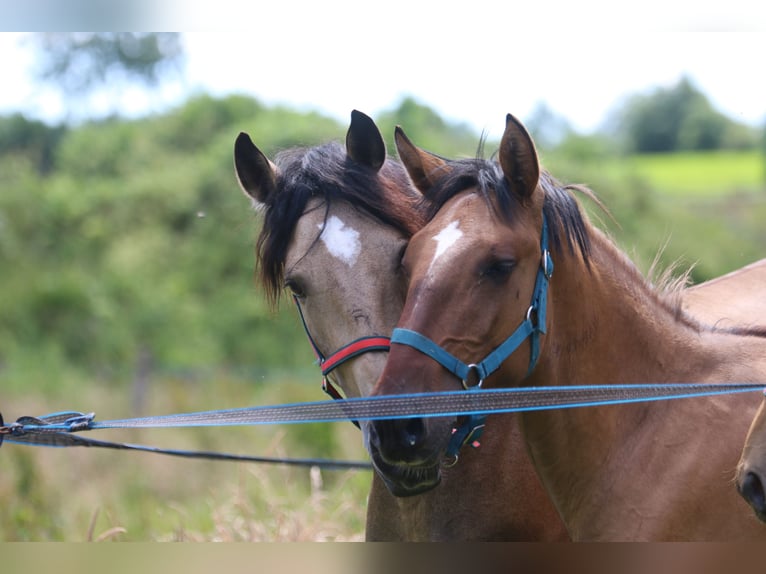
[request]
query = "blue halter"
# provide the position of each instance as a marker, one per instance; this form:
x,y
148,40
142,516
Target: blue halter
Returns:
x,y
532,327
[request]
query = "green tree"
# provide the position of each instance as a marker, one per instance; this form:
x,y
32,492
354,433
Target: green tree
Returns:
x,y
80,62
678,118
81,66
29,140
428,130
137,247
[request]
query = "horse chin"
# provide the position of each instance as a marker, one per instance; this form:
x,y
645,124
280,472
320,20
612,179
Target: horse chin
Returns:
x,y
404,480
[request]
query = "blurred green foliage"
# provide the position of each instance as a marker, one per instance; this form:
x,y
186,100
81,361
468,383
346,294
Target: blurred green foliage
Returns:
x,y
679,118
127,243
428,130
77,62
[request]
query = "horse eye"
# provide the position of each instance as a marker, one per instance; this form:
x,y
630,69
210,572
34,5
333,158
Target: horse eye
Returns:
x,y
295,288
499,270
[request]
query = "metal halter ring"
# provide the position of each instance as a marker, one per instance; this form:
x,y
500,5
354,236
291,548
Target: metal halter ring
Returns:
x,y
473,367
450,462
532,316
546,260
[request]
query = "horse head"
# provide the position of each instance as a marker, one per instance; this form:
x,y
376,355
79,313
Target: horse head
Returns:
x,y
333,219
473,273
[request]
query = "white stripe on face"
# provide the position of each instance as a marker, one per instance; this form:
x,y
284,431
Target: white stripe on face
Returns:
x,y
445,239
341,241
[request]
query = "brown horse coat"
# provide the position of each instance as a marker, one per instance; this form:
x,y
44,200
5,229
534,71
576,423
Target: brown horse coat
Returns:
x,y
655,471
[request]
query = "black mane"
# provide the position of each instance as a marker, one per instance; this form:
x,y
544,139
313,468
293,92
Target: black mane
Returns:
x,y
565,220
326,172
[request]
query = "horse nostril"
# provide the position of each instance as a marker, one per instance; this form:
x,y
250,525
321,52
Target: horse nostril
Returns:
x,y
751,490
413,431
398,440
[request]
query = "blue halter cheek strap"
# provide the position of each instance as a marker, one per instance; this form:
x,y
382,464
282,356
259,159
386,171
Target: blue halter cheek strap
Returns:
x,y
533,325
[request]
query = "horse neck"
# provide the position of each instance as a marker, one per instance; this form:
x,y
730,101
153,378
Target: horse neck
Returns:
x,y
609,326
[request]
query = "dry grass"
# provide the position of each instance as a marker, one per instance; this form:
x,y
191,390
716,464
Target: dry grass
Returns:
x,y
80,494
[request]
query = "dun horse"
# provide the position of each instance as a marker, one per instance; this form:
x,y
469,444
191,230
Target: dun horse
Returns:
x,y
508,251
732,300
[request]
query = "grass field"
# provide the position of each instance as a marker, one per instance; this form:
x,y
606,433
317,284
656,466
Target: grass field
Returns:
x,y
692,175
82,494
700,174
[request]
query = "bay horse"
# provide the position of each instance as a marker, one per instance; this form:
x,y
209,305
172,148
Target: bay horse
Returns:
x,y
507,250
335,225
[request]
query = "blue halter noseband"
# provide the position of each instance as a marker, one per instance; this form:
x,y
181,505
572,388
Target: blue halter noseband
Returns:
x,y
532,327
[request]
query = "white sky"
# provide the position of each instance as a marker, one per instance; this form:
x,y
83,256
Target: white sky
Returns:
x,y
471,62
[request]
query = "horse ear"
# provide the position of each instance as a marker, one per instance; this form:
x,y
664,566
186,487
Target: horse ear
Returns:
x,y
257,176
364,144
423,167
518,158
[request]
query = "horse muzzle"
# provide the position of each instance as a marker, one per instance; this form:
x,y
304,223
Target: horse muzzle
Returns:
x,y
406,454
751,488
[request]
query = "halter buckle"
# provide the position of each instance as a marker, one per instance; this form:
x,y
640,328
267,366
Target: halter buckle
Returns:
x,y
475,368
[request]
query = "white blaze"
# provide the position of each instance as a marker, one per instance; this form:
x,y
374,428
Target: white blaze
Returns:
x,y
445,239
341,241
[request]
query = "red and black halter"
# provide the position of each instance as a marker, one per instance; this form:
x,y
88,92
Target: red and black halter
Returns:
x,y
329,363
